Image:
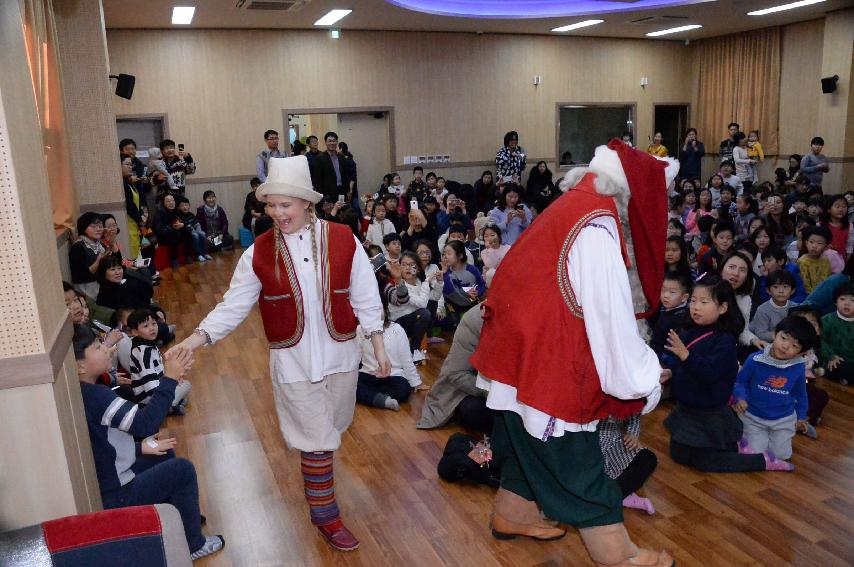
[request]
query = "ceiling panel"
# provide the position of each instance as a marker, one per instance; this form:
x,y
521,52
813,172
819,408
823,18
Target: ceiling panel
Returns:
x,y
717,17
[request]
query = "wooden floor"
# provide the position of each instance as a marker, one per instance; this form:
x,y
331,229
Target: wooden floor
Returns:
x,y
392,499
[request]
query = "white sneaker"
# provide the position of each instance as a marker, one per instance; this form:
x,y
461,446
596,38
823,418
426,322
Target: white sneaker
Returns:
x,y
212,545
418,356
201,258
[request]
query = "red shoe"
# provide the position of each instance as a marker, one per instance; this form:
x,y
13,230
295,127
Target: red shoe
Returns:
x,y
338,536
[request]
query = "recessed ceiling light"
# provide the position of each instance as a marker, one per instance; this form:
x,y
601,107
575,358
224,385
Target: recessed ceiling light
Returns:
x,y
674,30
183,15
575,26
332,17
790,6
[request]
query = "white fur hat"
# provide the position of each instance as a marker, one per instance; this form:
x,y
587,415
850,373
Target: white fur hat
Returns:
x,y
288,176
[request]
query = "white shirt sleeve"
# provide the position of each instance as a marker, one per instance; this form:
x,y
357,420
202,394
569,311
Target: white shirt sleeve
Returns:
x,y
404,356
242,294
364,292
628,369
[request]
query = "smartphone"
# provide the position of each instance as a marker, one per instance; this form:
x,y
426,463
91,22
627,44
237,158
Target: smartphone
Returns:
x,y
180,147
341,199
413,204
101,326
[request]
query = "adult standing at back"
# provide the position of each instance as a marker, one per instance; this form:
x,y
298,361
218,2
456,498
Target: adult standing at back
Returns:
x,y
690,153
729,143
271,138
312,152
510,160
329,174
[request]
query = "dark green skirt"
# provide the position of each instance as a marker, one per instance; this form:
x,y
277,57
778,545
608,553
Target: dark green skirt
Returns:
x,y
564,475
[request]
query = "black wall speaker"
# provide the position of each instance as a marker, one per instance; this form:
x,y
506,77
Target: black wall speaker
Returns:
x,y
124,85
828,84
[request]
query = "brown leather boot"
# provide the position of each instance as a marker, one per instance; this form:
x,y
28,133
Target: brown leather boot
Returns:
x,y
541,530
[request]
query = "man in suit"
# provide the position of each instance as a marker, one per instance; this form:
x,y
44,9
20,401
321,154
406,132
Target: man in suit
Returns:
x,y
329,175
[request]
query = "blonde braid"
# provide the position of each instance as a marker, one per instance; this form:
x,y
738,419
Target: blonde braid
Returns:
x,y
317,272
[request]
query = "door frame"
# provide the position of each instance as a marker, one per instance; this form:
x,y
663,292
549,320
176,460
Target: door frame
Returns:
x,y
559,105
164,120
687,106
388,110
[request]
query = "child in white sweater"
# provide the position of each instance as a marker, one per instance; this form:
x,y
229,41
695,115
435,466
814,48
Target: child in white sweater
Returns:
x,y
379,227
389,392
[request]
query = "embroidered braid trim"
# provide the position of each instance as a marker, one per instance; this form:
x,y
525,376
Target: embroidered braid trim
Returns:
x,y
562,273
285,255
327,288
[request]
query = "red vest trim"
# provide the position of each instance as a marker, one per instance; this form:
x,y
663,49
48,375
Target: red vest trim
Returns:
x,y
562,273
281,299
341,321
534,338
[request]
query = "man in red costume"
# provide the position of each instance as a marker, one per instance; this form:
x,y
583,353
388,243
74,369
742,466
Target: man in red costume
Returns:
x,y
560,350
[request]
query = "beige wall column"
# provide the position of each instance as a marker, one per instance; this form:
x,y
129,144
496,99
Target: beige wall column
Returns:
x,y
89,116
836,111
47,468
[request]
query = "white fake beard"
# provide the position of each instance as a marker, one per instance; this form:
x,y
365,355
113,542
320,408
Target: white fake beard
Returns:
x,y
639,301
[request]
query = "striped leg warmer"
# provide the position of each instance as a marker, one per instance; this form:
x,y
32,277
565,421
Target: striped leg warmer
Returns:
x,y
319,489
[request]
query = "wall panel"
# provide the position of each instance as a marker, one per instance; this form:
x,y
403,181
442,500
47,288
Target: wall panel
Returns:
x,y
800,87
452,93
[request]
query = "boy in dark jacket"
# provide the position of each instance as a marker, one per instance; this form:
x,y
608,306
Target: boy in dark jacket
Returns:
x,y
130,472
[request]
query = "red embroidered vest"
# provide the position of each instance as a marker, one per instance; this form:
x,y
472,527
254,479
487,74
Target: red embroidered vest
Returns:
x,y
533,336
281,300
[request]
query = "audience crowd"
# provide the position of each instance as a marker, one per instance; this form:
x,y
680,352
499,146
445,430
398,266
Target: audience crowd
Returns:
x,y
757,290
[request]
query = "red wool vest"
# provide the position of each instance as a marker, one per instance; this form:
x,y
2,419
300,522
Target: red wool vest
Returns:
x,y
281,301
533,331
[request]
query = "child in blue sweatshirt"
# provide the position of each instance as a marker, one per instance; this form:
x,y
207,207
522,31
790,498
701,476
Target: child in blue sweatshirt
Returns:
x,y
130,472
770,390
704,430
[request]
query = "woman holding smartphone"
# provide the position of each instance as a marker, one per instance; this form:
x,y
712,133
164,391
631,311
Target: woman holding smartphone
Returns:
x,y
314,285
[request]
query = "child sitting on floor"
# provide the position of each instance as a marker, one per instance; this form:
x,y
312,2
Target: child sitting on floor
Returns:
x,y
774,258
780,286
380,226
389,392
814,266
146,362
704,430
817,398
673,313
124,477
837,345
770,390
626,460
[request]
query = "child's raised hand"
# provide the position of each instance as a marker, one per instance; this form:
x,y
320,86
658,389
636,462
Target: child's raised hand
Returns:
x,y
676,346
740,406
834,362
395,269
631,442
177,363
154,445
123,379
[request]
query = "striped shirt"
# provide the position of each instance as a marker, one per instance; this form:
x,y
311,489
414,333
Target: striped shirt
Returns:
x,y
114,423
146,369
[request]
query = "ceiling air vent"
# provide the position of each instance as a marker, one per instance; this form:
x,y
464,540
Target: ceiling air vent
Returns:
x,y
658,20
278,5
